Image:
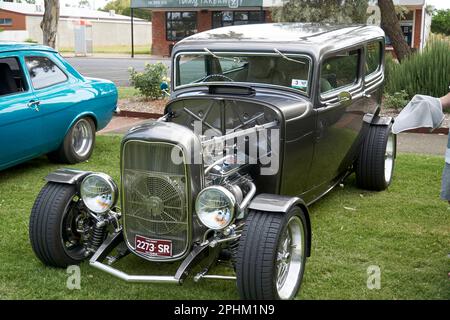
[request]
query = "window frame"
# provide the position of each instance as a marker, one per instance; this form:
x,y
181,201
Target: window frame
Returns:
x,y
4,24
25,79
54,62
171,20
307,93
351,88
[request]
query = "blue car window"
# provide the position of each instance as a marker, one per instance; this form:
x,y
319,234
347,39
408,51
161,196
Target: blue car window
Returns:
x,y
12,79
44,72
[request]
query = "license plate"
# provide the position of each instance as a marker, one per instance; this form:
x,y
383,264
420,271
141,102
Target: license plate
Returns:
x,y
153,247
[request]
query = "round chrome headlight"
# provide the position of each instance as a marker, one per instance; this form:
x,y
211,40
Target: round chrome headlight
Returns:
x,y
99,192
215,207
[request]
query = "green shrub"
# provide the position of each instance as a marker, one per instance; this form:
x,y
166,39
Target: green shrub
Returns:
x,y
148,82
396,101
441,22
30,40
427,72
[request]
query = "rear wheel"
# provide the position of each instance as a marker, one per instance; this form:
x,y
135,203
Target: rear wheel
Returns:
x,y
375,164
57,226
78,143
272,255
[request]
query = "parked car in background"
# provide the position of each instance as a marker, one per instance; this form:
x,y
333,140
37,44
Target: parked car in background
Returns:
x,y
47,107
263,120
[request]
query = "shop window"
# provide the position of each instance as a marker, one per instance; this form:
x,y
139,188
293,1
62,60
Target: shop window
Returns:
x,y
230,18
6,22
180,25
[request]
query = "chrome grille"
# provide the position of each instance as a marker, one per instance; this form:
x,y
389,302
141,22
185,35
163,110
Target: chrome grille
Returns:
x,y
154,196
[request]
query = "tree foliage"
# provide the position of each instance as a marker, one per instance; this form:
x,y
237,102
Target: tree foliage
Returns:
x,y
323,11
441,22
123,7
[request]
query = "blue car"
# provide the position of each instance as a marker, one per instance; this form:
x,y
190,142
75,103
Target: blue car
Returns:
x,y
47,107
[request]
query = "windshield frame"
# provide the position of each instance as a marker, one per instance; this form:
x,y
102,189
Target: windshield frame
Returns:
x,y
175,67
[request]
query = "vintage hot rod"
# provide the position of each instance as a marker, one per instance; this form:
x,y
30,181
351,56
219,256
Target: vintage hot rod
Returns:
x,y
263,120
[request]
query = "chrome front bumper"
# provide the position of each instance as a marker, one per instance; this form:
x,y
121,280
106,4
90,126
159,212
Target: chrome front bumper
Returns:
x,y
197,254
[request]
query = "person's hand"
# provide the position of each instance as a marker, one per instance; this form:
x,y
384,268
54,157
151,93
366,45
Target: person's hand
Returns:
x,y
445,101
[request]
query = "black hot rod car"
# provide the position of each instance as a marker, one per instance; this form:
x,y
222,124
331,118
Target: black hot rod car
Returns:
x,y
262,121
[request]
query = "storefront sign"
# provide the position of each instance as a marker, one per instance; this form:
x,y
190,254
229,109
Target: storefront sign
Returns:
x,y
232,4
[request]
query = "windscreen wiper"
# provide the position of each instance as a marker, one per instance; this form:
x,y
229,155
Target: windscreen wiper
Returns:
x,y
234,59
286,57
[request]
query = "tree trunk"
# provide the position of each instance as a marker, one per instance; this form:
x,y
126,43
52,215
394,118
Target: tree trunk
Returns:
x,y
49,24
391,25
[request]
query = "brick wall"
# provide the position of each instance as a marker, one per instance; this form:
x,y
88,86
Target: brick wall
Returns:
x,y
18,20
417,28
160,46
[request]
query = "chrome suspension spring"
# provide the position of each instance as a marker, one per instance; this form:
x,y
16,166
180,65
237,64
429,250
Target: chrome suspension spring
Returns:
x,y
98,236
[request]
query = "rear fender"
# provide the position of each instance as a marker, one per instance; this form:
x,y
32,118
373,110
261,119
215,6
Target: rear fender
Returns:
x,y
282,205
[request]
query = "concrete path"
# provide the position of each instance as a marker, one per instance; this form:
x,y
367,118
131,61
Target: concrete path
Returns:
x,y
421,143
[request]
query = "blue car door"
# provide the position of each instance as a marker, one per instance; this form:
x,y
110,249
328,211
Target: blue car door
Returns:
x,y
57,93
20,122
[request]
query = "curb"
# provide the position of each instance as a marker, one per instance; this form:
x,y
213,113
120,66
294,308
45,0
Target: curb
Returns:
x,y
137,114
147,115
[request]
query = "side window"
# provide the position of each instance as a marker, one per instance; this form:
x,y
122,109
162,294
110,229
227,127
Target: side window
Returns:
x,y
44,72
12,79
339,71
373,58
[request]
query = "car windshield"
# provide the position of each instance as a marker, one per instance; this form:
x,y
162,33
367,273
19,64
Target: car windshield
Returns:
x,y
276,68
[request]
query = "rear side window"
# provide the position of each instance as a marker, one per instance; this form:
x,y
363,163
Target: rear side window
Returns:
x,y
373,58
12,79
44,72
339,71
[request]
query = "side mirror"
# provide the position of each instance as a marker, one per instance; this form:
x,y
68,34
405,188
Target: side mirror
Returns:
x,y
164,86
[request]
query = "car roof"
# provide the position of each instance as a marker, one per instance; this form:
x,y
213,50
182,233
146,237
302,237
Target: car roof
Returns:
x,y
300,37
22,46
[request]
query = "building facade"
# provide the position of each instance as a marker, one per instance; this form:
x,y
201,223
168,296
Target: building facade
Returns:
x,y
173,20
21,22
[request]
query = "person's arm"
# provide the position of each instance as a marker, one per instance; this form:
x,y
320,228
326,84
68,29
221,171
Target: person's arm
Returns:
x,y
445,101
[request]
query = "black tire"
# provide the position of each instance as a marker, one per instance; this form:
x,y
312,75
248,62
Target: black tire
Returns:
x,y
53,206
66,153
256,261
371,172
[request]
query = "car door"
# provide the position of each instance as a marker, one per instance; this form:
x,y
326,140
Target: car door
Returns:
x,y
20,122
56,92
340,111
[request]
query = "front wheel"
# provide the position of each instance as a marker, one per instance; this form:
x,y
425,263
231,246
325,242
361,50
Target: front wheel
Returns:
x,y
58,227
272,255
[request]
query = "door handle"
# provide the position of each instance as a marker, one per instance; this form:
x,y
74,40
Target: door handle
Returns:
x,y
34,104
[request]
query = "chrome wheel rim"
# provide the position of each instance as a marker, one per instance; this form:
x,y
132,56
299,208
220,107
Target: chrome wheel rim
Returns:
x,y
82,138
289,264
389,158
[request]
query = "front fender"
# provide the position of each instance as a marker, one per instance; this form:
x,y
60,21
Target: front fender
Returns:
x,y
282,204
67,176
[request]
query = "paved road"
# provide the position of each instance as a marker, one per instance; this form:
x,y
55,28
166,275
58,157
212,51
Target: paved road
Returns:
x,y
114,69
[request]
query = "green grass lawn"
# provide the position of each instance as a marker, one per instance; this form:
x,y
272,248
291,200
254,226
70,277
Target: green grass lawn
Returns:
x,y
405,231
128,92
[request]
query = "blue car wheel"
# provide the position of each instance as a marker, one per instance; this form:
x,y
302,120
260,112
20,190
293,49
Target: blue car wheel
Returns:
x,y
78,143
